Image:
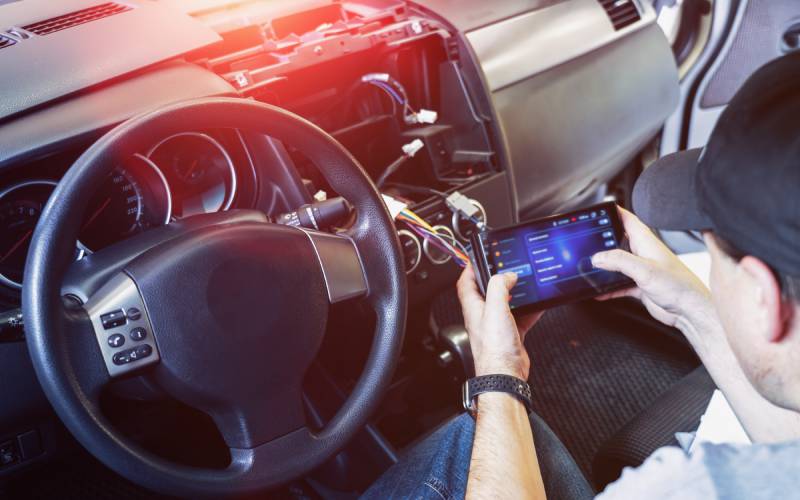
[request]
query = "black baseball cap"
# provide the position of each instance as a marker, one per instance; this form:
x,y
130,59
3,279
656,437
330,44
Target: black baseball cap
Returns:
x,y
745,184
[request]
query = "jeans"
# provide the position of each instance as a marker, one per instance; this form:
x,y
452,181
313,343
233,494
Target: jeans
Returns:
x,y
438,467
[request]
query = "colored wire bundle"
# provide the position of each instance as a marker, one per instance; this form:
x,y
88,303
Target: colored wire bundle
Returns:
x,y
422,228
393,89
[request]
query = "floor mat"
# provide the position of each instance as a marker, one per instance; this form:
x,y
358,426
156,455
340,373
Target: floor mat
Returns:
x,y
594,366
81,477
593,369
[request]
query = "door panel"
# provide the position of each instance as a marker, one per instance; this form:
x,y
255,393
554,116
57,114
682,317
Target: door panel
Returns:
x,y
755,37
758,39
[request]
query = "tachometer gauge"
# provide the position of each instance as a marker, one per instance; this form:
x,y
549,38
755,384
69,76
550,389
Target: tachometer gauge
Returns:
x,y
199,171
20,208
134,197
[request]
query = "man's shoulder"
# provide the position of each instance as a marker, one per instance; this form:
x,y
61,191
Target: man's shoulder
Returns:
x,y
753,471
713,471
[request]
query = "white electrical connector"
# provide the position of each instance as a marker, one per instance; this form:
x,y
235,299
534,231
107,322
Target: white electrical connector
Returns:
x,y
413,147
462,205
394,205
423,116
427,116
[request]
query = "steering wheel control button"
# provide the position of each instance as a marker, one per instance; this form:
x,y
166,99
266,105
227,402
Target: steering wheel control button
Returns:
x,y
123,357
134,314
142,351
113,319
132,354
116,340
138,333
118,304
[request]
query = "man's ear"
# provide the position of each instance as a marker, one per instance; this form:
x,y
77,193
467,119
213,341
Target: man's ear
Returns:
x,y
768,294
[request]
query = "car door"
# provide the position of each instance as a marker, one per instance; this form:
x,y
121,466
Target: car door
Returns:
x,y
734,39
718,44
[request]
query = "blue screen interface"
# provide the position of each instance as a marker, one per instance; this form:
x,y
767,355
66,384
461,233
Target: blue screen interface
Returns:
x,y
552,258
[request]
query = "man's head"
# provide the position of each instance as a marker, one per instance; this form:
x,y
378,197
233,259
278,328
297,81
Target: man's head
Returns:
x,y
743,192
760,311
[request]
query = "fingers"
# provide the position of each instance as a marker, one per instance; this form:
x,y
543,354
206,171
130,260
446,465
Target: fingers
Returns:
x,y
466,280
641,237
630,221
468,293
638,269
634,292
498,288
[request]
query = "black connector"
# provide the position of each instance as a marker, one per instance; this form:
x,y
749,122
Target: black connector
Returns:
x,y
318,215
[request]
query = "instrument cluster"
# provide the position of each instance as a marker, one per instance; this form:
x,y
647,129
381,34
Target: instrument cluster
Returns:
x,y
184,174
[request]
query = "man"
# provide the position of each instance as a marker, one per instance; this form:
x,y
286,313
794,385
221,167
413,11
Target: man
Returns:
x,y
743,193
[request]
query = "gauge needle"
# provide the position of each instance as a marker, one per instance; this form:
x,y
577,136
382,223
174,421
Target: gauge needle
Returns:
x,y
191,169
17,245
96,213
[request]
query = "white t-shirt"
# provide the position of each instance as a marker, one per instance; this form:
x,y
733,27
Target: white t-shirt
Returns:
x,y
713,471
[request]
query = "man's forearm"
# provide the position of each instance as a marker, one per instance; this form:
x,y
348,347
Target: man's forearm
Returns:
x,y
763,421
504,463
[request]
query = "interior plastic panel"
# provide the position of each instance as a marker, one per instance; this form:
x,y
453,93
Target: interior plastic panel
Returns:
x,y
519,48
468,15
48,129
44,66
571,117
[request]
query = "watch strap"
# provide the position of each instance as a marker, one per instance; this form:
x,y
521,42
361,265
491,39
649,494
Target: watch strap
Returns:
x,y
495,383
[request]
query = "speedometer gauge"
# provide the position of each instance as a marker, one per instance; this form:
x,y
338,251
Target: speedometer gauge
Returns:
x,y
20,208
134,197
199,171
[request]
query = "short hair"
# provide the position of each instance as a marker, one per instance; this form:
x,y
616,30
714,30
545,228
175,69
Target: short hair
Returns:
x,y
790,285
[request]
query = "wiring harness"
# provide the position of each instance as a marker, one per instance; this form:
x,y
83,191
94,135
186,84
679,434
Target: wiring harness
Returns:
x,y
397,93
448,245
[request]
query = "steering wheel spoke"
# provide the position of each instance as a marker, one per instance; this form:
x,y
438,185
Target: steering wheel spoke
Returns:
x,y
249,461
80,346
122,327
260,416
341,265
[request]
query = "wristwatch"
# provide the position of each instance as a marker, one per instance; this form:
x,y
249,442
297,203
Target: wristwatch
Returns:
x,y
495,383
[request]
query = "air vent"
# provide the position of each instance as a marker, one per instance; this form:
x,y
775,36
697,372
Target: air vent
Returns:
x,y
621,12
6,42
75,18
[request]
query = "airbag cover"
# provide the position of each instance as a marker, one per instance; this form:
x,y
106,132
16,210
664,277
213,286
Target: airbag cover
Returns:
x,y
239,311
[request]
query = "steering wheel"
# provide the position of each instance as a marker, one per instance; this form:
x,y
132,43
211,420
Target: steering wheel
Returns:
x,y
229,309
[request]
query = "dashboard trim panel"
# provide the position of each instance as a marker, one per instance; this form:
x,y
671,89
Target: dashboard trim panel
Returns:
x,y
85,116
523,46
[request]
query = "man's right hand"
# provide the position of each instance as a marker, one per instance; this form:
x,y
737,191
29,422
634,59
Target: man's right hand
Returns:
x,y
671,292
495,336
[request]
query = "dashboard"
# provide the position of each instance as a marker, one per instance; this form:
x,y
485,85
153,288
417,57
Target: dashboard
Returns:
x,y
515,112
